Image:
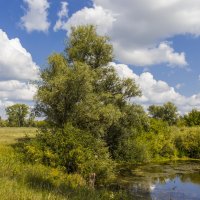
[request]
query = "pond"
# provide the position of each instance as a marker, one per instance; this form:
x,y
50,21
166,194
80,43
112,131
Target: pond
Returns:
x,y
177,180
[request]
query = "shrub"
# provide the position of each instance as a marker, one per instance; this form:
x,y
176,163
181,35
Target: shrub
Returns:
x,y
74,150
188,142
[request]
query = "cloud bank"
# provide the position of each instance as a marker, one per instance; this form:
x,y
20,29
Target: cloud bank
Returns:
x,y
157,91
139,29
17,69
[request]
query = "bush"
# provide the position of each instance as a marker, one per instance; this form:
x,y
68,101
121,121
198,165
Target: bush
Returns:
x,y
188,142
74,150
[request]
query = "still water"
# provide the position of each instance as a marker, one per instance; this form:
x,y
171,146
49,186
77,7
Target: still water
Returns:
x,y
178,180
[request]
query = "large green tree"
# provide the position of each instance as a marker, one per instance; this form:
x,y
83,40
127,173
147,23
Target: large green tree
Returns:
x,y
79,88
17,114
74,90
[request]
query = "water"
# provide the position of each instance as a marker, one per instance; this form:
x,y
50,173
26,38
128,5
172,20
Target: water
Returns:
x,y
178,180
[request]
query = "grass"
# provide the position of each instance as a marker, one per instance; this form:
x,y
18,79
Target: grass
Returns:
x,y
11,135
24,181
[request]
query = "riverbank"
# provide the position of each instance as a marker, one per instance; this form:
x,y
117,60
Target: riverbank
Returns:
x,y
175,180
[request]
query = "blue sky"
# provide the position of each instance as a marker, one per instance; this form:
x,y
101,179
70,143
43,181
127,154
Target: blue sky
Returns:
x,y
157,43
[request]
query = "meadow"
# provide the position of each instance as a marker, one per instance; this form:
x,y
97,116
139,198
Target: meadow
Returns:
x,y
24,181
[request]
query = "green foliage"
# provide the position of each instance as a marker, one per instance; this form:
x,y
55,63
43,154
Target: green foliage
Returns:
x,y
82,90
61,89
17,114
188,142
73,150
122,135
161,140
22,180
167,112
192,118
85,46
3,123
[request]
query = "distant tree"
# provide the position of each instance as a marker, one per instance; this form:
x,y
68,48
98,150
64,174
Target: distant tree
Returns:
x,y
17,114
2,122
192,118
31,119
167,112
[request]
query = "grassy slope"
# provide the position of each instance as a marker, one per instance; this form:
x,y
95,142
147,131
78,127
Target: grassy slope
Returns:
x,y
21,181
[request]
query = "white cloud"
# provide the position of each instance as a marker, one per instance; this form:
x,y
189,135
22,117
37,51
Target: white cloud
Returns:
x,y
164,53
16,70
15,61
138,28
14,90
157,91
35,18
62,16
98,16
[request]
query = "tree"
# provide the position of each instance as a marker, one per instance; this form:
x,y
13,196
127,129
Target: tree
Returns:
x,y
2,122
167,112
75,90
85,46
192,118
87,109
17,114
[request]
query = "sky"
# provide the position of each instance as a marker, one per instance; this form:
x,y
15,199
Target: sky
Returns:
x,y
156,43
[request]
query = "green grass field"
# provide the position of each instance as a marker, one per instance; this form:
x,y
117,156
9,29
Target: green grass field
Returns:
x,y
24,181
11,135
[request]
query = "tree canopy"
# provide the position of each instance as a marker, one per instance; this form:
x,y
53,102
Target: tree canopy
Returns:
x,y
84,45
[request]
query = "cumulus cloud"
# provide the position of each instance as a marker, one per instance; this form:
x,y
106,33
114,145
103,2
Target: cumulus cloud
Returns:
x,y
35,18
14,90
157,91
15,61
97,16
17,69
164,53
62,17
138,28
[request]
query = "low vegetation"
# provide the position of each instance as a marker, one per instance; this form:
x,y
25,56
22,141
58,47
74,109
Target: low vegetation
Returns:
x,y
23,180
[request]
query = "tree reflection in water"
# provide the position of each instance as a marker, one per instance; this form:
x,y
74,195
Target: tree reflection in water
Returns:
x,y
178,180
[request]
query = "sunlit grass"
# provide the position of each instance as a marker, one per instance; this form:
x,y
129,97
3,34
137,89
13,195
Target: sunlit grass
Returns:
x,y
24,181
9,135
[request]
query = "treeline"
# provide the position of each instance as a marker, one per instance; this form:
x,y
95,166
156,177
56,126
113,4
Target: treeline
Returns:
x,y
91,124
168,112
20,115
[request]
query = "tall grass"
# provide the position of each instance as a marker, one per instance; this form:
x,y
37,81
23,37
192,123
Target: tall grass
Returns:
x,y
23,181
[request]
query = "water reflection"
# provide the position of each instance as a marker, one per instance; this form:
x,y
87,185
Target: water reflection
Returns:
x,y
167,181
